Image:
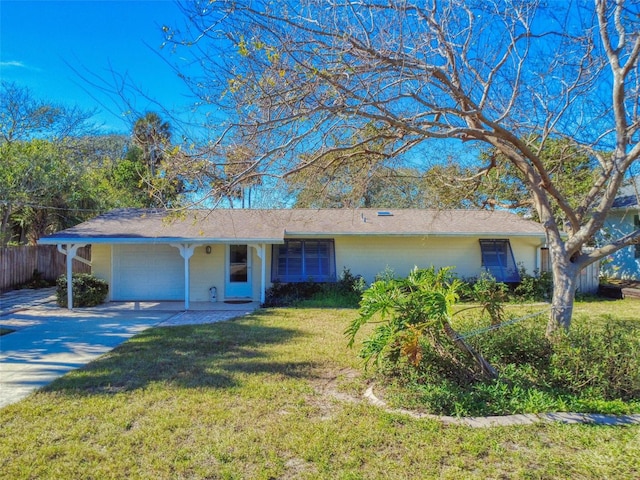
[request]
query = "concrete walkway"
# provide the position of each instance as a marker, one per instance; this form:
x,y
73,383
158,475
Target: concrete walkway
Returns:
x,y
17,300
49,341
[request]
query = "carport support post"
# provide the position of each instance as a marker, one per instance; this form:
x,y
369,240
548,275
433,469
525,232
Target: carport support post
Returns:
x,y
261,250
263,271
71,251
186,251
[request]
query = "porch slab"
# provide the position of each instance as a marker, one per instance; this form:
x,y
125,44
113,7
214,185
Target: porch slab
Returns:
x,y
165,306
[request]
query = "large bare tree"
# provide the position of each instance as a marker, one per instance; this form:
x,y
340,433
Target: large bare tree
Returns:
x,y
308,76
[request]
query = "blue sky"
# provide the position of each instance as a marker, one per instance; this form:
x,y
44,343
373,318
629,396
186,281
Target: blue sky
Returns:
x,y
43,42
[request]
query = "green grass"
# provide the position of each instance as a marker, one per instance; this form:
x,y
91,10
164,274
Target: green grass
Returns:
x,y
272,395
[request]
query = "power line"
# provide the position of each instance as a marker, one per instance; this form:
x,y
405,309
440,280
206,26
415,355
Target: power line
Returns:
x,y
48,207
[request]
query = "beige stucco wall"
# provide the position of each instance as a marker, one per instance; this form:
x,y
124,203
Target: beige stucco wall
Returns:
x,y
368,256
101,263
207,270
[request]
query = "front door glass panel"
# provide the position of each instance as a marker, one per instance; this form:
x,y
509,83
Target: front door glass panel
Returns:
x,y
238,267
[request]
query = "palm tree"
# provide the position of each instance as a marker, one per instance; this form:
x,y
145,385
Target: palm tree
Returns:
x,y
152,136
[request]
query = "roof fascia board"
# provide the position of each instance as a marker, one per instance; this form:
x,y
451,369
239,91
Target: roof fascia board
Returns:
x,y
629,208
417,234
162,240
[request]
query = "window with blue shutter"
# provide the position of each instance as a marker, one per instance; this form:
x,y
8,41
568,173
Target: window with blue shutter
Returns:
x,y
303,260
498,260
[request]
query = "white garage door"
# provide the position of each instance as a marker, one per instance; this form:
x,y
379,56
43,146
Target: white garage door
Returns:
x,y
147,272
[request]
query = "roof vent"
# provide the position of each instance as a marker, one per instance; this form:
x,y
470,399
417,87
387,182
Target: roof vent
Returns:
x,y
385,214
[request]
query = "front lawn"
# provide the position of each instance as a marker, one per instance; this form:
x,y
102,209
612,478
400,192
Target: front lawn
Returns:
x,y
272,395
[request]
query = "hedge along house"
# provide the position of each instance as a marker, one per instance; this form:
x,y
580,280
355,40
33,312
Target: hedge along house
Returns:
x,y
151,255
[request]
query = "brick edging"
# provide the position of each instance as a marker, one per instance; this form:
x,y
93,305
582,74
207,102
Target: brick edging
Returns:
x,y
508,420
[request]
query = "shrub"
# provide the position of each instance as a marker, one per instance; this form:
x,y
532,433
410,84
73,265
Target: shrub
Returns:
x,y
605,362
37,281
410,314
491,294
350,283
88,291
533,288
593,368
287,294
486,289
346,292
517,344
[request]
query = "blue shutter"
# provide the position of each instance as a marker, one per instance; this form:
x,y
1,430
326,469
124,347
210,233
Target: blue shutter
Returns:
x,y
303,260
498,260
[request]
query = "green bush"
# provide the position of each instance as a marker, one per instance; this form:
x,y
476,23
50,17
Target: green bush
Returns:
x,y
345,293
485,288
518,344
287,294
605,362
88,291
533,288
37,281
595,368
491,294
592,369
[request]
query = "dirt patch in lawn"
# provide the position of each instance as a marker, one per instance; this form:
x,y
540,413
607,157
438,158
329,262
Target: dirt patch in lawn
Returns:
x,y
330,386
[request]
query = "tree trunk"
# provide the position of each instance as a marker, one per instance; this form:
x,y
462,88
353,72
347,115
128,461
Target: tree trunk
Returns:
x,y
565,283
486,368
38,227
5,235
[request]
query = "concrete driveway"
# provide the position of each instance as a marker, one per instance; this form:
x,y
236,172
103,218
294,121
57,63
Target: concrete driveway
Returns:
x,y
48,341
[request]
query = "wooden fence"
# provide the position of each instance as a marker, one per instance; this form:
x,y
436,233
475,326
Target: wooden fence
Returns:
x,y
589,278
17,264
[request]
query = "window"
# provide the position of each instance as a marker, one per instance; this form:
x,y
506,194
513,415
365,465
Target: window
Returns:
x,y
497,259
303,260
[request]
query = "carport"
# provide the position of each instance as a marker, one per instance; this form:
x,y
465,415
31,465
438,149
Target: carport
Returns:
x,y
147,255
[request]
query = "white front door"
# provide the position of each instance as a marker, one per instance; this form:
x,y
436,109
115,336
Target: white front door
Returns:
x,y
238,275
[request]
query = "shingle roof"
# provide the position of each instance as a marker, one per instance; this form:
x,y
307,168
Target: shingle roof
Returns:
x,y
269,226
625,201
627,195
